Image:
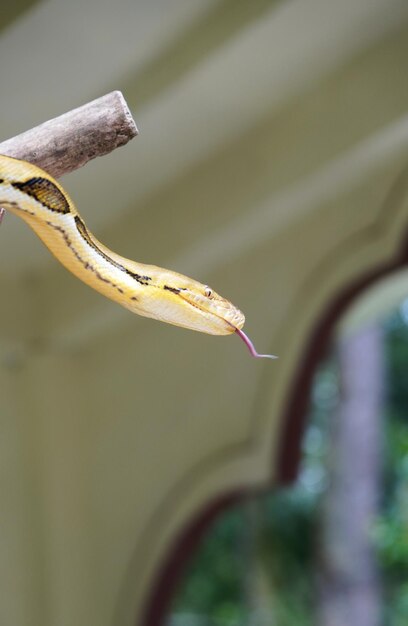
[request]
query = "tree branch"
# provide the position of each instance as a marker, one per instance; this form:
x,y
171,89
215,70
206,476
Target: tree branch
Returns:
x,y
67,142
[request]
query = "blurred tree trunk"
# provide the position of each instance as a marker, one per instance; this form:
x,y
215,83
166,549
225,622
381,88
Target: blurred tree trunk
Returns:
x,y
349,585
257,587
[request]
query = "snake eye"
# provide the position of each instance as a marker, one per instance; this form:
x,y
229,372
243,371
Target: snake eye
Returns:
x,y
208,292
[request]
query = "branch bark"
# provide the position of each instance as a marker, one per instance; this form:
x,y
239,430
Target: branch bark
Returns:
x,y
68,142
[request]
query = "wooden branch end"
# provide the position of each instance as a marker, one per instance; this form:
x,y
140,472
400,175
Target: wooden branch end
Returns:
x,y
67,142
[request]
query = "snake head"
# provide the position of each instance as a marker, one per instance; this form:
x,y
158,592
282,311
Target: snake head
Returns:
x,y
220,316
179,300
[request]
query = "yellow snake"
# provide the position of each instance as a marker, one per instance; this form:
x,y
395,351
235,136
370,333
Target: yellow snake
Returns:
x,y
151,291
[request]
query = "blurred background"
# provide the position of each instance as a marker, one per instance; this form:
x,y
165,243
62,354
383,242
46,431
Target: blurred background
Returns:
x,y
151,475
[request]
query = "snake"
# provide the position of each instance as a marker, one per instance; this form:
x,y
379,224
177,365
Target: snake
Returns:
x,y
32,194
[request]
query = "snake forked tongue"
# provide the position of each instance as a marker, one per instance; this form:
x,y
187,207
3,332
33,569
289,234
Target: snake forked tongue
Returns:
x,y
251,346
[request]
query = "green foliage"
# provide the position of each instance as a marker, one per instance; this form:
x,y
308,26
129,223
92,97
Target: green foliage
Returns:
x,y
397,354
215,581
213,585
391,530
